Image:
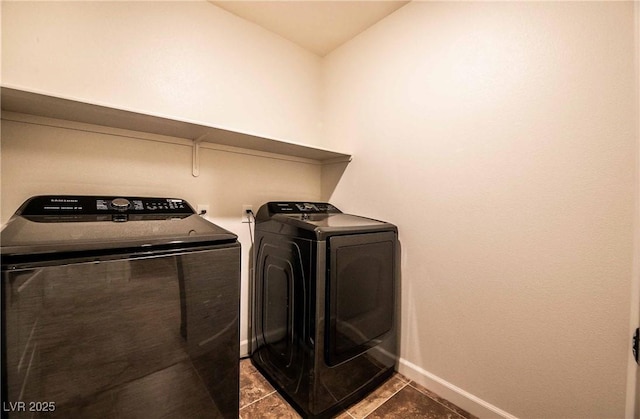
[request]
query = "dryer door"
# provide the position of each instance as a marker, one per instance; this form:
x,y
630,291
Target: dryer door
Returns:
x,y
360,293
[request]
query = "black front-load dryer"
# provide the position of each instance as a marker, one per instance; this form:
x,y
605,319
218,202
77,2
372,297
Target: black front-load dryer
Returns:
x,y
324,304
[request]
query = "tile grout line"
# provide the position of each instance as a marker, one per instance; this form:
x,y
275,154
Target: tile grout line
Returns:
x,y
350,415
386,400
441,404
257,400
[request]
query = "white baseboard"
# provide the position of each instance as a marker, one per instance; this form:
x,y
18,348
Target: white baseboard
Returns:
x,y
450,392
244,348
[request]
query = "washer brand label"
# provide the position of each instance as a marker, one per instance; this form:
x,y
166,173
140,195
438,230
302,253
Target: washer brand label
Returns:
x,y
63,200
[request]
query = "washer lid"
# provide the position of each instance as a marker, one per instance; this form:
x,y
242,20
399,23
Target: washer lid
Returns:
x,y
62,224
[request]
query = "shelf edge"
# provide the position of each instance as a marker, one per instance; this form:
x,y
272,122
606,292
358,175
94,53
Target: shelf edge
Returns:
x,y
45,105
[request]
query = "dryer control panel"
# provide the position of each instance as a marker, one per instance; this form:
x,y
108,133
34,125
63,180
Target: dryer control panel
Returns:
x,y
302,208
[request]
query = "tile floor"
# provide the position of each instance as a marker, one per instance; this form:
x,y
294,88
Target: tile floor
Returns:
x,y
398,397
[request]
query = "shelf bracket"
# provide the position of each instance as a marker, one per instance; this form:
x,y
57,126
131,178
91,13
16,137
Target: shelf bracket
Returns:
x,y
195,170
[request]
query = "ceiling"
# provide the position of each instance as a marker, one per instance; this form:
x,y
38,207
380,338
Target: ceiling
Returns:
x,y
318,26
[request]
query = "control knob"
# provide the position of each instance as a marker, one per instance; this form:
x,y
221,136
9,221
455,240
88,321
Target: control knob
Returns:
x,y
120,204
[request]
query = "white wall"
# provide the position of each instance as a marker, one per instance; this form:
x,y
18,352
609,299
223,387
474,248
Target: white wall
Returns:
x,y
633,378
501,138
184,60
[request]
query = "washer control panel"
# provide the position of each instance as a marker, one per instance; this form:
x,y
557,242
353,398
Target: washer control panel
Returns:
x,y
98,206
302,208
143,205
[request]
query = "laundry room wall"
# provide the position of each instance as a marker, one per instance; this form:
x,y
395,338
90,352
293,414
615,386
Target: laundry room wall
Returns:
x,y
182,60
502,139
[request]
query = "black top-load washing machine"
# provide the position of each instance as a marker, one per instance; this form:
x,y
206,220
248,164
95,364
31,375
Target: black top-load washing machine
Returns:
x,y
118,307
324,304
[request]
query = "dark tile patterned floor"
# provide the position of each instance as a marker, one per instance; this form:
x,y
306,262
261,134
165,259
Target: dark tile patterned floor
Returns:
x,y
398,397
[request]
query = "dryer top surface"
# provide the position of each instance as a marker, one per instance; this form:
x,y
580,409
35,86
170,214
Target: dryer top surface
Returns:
x,y
314,220
322,222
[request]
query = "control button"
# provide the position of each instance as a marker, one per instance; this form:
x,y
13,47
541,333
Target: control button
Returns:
x,y
119,218
101,204
306,207
120,204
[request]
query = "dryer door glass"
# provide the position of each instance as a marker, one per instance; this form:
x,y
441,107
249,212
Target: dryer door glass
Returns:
x,y
360,293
